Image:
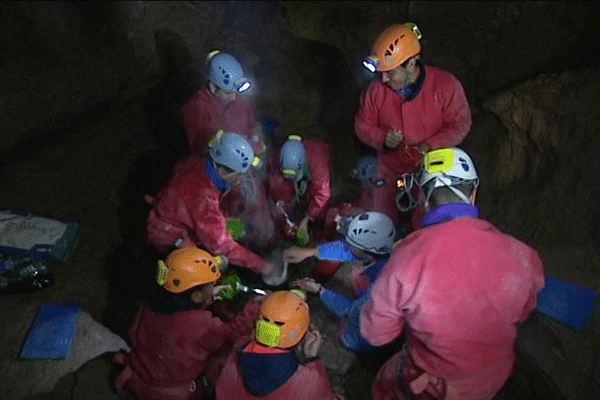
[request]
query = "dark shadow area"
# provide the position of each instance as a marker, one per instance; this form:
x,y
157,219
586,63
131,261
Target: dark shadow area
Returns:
x,y
132,265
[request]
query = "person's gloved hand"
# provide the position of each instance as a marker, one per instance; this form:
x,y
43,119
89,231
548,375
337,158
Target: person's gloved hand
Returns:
x,y
303,227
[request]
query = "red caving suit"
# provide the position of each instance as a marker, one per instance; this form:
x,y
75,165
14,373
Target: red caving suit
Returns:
x,y
170,351
202,116
318,191
190,205
459,289
439,115
272,374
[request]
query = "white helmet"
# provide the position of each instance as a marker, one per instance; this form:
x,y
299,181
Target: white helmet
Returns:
x,y
448,167
365,168
226,72
371,231
292,158
232,151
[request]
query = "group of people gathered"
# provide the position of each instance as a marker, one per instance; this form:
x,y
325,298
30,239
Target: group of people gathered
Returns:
x,y
428,274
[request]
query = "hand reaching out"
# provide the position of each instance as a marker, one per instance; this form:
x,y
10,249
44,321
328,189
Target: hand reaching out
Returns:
x,y
308,285
312,342
297,254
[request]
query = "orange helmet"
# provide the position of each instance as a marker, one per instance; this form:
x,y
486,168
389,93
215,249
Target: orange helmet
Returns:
x,y
283,319
394,46
187,267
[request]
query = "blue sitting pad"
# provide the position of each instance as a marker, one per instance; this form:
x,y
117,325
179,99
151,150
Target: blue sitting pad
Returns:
x,y
52,332
566,302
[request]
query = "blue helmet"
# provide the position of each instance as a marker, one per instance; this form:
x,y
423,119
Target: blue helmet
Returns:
x,y
365,168
232,151
292,158
226,72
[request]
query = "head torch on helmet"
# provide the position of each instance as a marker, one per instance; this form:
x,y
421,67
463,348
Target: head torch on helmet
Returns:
x,y
371,63
243,84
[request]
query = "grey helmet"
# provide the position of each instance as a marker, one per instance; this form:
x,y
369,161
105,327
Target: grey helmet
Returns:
x,y
371,231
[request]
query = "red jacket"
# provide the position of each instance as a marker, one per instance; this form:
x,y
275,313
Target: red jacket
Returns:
x,y
309,381
172,350
439,116
318,192
462,287
203,115
191,205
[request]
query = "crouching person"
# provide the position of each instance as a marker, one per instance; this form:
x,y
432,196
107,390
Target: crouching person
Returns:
x,y
191,206
175,339
457,287
265,365
369,238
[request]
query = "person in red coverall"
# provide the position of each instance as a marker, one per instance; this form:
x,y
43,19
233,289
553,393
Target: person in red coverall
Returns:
x,y
265,366
175,339
219,106
412,109
298,168
457,287
363,173
189,208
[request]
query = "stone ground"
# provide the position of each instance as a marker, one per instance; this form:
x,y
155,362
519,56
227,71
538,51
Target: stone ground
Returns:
x,y
96,171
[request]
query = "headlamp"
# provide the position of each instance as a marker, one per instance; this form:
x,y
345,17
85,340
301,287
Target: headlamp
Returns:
x,y
243,84
413,27
371,63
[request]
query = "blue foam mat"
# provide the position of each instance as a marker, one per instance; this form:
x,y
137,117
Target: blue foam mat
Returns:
x,y
51,332
566,303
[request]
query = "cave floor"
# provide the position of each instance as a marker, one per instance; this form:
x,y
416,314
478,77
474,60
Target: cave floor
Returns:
x,y
96,170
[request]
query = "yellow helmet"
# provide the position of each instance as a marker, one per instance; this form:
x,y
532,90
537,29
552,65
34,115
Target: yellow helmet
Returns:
x,y
187,267
283,319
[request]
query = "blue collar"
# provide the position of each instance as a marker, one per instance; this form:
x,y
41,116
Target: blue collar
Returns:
x,y
411,91
448,212
214,176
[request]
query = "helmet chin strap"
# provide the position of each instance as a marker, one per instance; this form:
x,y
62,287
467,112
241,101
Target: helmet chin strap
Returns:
x,y
457,192
300,187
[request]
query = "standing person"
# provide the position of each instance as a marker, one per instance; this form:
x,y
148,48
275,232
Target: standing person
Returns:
x,y
412,109
190,206
175,339
219,105
458,287
300,169
265,365
369,240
